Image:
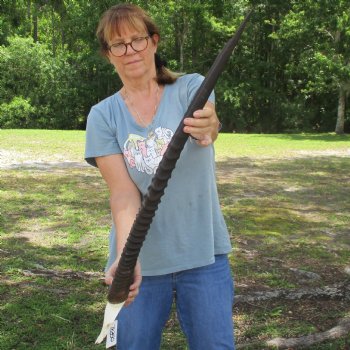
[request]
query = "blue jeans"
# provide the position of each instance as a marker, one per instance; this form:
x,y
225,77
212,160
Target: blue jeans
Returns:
x,y
204,300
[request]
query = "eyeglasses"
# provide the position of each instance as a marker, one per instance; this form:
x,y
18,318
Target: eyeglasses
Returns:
x,y
137,44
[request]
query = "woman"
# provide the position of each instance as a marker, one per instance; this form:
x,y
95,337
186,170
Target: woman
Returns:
x,y
185,252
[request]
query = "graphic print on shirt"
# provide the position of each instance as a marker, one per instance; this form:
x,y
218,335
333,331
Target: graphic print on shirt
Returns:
x,y
145,154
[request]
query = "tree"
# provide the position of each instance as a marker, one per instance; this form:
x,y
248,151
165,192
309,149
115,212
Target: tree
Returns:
x,y
41,80
290,71
318,35
253,85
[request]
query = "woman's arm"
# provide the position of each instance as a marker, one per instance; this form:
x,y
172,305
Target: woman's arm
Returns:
x,y
125,201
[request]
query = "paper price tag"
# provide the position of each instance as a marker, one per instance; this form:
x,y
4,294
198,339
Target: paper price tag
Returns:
x,y
112,335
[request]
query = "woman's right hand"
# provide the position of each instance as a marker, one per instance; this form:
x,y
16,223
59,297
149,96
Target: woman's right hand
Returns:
x,y
134,288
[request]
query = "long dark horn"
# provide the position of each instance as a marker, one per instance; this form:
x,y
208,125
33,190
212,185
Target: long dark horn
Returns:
x,y
124,275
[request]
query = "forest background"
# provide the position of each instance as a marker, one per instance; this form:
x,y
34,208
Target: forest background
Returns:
x,y
290,72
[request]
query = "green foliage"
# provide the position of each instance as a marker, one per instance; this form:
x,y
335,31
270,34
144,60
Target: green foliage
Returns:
x,y
317,34
30,70
16,114
285,75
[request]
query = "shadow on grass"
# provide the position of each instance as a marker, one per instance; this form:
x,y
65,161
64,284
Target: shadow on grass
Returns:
x,y
71,198
280,213
296,211
45,220
58,220
307,137
54,313
46,313
283,214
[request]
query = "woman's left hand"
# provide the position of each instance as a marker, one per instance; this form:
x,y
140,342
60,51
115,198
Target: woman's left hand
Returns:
x,y
134,288
204,126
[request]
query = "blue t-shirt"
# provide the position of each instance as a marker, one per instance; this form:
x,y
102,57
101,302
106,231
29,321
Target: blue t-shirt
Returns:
x,y
188,228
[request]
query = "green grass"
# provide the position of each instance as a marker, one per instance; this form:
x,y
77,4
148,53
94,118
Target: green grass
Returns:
x,y
280,145
69,145
285,199
44,145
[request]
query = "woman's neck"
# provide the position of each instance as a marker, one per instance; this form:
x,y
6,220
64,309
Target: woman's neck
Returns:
x,y
142,101
144,88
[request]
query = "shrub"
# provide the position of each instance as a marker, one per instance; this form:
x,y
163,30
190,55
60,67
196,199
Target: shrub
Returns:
x,y
18,113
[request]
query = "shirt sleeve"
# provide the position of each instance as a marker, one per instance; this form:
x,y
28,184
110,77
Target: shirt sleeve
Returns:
x,y
101,137
193,85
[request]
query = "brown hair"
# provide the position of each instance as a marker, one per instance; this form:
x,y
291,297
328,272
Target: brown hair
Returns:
x,y
135,17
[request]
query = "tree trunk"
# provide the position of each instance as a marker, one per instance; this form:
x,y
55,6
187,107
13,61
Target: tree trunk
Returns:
x,y
35,22
29,4
341,330
181,28
53,32
181,43
339,129
62,34
304,342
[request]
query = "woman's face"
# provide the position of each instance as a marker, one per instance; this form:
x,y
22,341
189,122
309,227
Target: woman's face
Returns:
x,y
134,65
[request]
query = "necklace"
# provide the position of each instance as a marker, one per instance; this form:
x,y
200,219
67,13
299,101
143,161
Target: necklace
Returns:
x,y
142,121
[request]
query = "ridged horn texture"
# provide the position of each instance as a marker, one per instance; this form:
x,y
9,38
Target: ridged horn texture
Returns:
x,y
124,275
